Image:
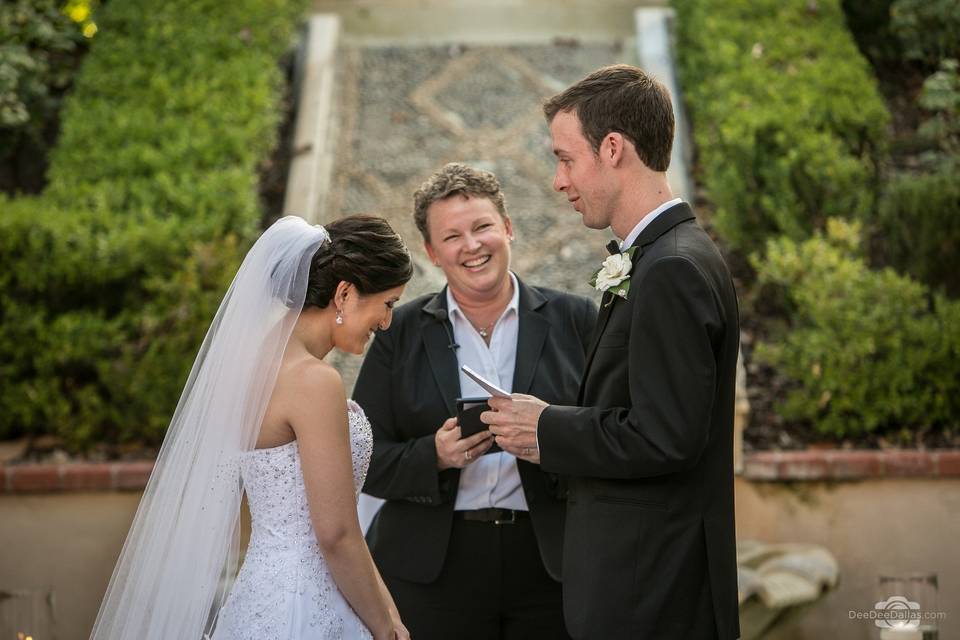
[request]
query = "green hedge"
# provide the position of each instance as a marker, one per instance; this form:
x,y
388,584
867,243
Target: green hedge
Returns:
x,y
39,52
113,273
893,32
869,23
867,351
37,43
786,115
918,227
928,29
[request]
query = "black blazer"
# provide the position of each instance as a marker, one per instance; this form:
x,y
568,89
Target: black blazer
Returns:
x,y
649,544
408,386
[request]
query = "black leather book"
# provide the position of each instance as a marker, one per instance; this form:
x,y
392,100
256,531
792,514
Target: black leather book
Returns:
x,y
468,416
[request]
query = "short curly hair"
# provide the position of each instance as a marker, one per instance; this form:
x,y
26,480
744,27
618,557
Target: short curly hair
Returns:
x,y
456,178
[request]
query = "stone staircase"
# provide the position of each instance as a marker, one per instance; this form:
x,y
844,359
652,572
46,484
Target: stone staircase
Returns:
x,y
414,84
402,112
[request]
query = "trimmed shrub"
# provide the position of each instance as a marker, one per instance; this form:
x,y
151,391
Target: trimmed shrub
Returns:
x,y
39,52
35,59
113,274
918,227
928,29
867,351
787,118
101,314
869,22
891,32
941,97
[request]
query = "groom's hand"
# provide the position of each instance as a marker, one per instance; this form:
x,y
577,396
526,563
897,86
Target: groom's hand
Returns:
x,y
514,421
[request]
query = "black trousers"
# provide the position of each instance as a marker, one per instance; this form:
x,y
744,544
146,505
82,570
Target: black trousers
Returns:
x,y
492,585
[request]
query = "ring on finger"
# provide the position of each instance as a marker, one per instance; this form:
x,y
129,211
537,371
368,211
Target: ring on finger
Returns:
x,y
467,455
526,451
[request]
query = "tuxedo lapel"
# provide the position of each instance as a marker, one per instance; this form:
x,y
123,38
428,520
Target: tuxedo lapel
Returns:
x,y
661,224
606,306
530,338
436,342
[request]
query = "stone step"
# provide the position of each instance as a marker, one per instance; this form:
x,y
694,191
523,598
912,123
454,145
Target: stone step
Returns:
x,y
492,21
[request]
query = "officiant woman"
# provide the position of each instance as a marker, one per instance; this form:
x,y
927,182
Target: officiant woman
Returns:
x,y
469,539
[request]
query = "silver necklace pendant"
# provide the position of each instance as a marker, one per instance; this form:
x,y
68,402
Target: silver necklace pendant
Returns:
x,y
483,332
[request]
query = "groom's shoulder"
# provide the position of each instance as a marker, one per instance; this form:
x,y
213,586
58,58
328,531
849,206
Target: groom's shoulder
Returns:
x,y
686,240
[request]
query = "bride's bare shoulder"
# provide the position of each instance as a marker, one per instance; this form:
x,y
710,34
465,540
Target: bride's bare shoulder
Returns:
x,y
313,377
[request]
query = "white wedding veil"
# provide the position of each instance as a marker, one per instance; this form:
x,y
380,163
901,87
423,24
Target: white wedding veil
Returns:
x,y
168,582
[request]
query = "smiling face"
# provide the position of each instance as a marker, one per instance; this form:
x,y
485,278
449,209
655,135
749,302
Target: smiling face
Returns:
x,y
470,241
581,174
363,315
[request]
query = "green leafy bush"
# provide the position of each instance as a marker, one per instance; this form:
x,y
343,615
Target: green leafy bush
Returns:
x,y
35,36
918,227
786,115
867,351
40,49
112,275
929,30
941,98
100,315
869,22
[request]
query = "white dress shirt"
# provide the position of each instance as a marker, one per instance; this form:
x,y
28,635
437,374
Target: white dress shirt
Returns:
x,y
493,480
646,220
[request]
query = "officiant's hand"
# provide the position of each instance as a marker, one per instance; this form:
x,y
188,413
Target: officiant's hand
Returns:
x,y
514,421
454,452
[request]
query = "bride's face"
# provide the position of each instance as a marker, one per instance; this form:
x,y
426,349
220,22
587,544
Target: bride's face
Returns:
x,y
362,316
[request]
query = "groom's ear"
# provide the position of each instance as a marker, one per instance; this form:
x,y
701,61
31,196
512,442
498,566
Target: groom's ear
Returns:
x,y
612,148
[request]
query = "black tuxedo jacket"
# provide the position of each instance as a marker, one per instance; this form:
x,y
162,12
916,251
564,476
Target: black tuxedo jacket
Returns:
x,y
408,386
649,544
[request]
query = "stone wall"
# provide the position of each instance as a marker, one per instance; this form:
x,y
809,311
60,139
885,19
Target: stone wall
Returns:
x,y
63,530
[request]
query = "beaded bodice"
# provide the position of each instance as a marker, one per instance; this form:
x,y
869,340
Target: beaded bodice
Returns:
x,y
284,589
273,479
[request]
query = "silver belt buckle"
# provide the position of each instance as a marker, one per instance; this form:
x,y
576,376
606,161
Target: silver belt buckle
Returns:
x,y
512,520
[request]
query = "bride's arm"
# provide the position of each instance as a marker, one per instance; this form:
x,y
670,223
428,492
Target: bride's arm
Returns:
x,y
317,410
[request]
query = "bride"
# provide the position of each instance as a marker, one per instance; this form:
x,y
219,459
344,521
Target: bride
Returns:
x,y
262,413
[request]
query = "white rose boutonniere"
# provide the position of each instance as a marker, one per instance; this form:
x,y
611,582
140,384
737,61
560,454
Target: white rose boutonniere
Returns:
x,y
614,275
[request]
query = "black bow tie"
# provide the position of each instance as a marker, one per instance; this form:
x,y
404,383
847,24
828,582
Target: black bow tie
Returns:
x,y
613,247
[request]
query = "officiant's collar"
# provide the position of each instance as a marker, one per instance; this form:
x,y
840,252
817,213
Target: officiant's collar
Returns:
x,y
514,304
627,242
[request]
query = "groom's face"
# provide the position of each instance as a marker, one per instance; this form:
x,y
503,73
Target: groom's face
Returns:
x,y
580,174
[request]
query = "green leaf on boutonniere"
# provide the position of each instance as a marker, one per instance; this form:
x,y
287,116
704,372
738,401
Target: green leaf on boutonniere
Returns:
x,y
615,269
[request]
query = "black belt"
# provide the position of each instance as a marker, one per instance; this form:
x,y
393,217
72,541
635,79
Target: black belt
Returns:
x,y
493,514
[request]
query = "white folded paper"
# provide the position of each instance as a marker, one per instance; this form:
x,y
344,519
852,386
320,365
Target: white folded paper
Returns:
x,y
491,388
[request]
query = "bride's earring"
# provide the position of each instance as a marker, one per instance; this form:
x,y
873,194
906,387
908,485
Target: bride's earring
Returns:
x,y
339,317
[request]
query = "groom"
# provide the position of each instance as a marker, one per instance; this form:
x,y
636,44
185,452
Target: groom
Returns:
x,y
649,548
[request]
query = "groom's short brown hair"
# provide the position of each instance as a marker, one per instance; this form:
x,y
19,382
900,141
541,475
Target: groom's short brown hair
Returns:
x,y
622,99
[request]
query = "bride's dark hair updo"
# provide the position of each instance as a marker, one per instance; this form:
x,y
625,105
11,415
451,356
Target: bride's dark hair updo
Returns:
x,y
364,251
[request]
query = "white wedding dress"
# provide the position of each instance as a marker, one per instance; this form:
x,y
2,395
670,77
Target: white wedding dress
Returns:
x,y
284,589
